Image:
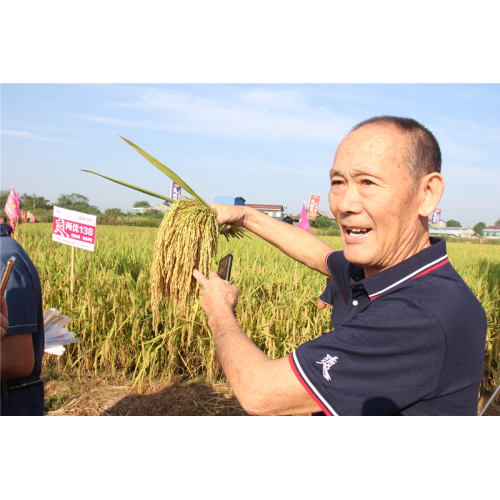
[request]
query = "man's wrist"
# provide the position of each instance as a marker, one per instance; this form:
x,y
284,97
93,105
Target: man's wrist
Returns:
x,y
222,319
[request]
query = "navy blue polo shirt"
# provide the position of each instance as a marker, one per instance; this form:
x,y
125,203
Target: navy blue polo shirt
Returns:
x,y
331,297
412,341
24,302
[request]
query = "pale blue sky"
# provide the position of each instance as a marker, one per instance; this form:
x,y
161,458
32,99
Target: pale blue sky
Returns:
x,y
268,143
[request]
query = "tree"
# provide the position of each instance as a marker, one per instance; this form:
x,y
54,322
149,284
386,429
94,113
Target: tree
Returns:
x,y
141,204
28,201
4,194
324,222
478,228
113,211
497,223
453,223
77,202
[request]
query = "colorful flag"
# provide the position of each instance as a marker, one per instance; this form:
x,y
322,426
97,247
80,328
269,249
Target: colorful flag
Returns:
x,y
32,218
12,205
176,191
436,216
23,216
303,222
312,211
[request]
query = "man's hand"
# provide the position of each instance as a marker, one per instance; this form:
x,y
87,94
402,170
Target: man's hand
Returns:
x,y
230,214
4,317
219,296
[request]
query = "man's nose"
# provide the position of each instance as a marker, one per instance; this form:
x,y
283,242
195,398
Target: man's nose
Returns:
x,y
350,203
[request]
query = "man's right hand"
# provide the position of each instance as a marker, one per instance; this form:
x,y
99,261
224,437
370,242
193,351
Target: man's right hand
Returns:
x,y
231,215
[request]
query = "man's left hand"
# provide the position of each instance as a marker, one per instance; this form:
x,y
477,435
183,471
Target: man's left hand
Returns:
x,y
219,296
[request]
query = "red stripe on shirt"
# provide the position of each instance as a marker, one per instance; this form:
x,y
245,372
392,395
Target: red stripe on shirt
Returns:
x,y
307,388
433,268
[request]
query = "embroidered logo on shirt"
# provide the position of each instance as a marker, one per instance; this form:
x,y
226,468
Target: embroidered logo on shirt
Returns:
x,y
327,363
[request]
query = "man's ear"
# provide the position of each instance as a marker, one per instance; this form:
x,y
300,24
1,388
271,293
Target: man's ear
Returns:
x,y
431,190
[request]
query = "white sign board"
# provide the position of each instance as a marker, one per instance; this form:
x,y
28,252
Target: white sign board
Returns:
x,y
74,228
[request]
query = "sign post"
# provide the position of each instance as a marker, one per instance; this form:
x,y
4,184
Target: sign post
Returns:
x,y
77,230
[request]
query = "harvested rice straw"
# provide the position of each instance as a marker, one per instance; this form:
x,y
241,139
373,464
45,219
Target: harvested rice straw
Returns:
x,y
187,239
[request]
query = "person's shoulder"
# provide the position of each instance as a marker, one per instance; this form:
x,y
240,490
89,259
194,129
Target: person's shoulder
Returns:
x,y
447,295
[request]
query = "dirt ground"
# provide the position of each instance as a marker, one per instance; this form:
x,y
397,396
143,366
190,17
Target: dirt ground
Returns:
x,y
69,394
103,394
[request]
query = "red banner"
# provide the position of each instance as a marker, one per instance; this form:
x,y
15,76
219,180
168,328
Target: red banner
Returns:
x,y
312,210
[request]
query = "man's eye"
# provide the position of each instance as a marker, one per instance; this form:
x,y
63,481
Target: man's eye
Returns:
x,y
337,183
367,182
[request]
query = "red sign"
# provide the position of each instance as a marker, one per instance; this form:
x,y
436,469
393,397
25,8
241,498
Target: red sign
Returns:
x,y
74,228
312,210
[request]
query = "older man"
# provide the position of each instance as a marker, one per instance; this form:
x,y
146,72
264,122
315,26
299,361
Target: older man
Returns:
x,y
412,338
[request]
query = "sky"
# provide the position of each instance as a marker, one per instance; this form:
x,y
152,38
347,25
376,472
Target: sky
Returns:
x,y
268,143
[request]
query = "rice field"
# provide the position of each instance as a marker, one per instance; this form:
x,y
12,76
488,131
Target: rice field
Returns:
x,y
112,312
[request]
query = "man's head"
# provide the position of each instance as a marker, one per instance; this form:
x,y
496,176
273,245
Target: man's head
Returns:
x,y
386,181
3,220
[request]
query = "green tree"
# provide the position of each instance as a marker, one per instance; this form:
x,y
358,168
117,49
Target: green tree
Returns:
x,y
478,228
497,223
113,211
28,201
453,223
78,203
324,223
141,204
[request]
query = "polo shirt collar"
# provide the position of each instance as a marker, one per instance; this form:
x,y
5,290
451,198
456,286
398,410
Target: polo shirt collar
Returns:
x,y
3,231
421,263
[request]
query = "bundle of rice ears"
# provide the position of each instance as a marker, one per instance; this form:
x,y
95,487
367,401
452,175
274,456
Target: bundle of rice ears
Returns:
x,y
187,239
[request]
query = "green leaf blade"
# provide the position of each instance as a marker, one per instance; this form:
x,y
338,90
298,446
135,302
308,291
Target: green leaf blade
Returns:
x,y
165,170
131,186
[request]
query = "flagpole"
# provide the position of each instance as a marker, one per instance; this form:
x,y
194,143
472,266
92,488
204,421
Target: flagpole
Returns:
x,y
72,276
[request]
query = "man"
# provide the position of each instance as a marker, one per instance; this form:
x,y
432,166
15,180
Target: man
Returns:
x,y
412,339
21,349
4,317
5,225
331,297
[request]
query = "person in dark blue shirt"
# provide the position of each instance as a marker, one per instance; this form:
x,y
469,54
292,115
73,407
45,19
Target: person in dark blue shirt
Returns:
x,y
5,225
23,344
331,297
412,338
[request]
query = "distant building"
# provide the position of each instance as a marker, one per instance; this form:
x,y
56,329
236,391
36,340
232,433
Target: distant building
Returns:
x,y
140,210
326,213
440,225
459,232
491,232
161,207
275,211
229,200
291,219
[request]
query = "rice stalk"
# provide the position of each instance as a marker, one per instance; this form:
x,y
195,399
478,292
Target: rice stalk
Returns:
x,y
187,238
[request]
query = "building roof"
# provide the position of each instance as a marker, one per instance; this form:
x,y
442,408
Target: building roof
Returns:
x,y
326,213
266,207
492,227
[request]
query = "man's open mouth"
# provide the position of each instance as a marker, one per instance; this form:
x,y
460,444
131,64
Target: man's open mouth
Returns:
x,y
357,231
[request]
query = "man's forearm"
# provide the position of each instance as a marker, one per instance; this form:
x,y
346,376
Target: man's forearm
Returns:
x,y
241,360
293,241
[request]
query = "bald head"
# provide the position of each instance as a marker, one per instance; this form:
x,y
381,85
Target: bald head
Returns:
x,y
422,155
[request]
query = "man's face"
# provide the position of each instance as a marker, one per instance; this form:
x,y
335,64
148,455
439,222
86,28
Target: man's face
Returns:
x,y
371,198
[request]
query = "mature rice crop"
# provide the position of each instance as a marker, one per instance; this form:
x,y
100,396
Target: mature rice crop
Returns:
x,y
191,225
112,309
